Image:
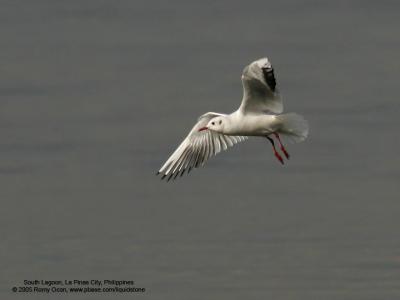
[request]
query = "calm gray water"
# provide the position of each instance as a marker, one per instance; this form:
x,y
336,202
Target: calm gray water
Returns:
x,y
96,94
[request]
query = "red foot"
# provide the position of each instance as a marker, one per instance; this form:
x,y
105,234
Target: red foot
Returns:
x,y
285,152
277,155
281,146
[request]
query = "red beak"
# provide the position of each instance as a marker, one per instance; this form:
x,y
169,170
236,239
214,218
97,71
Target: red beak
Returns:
x,y
203,128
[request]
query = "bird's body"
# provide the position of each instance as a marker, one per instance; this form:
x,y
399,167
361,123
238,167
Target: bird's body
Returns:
x,y
238,123
250,124
260,114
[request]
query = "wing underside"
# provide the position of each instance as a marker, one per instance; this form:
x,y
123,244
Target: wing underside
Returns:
x,y
197,148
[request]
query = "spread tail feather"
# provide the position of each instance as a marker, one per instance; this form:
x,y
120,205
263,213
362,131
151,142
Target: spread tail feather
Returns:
x,y
293,127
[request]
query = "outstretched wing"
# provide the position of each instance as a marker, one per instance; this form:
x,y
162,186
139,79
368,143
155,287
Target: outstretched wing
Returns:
x,y
260,94
197,148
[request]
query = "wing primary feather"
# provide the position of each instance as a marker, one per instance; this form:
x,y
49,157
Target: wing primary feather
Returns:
x,y
167,167
195,155
228,141
217,144
207,148
212,144
184,161
179,160
203,149
222,141
179,166
169,178
189,158
172,157
196,164
192,158
171,166
183,172
176,174
199,151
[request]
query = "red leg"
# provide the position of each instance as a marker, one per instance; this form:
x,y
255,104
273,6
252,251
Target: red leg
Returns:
x,y
277,155
281,146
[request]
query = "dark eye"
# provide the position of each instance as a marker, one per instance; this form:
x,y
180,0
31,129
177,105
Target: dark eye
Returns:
x,y
213,123
220,122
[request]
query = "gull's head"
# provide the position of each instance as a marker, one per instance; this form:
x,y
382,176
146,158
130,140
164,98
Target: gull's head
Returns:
x,y
216,124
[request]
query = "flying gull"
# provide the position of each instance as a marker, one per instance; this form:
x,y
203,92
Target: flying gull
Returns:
x,y
259,114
